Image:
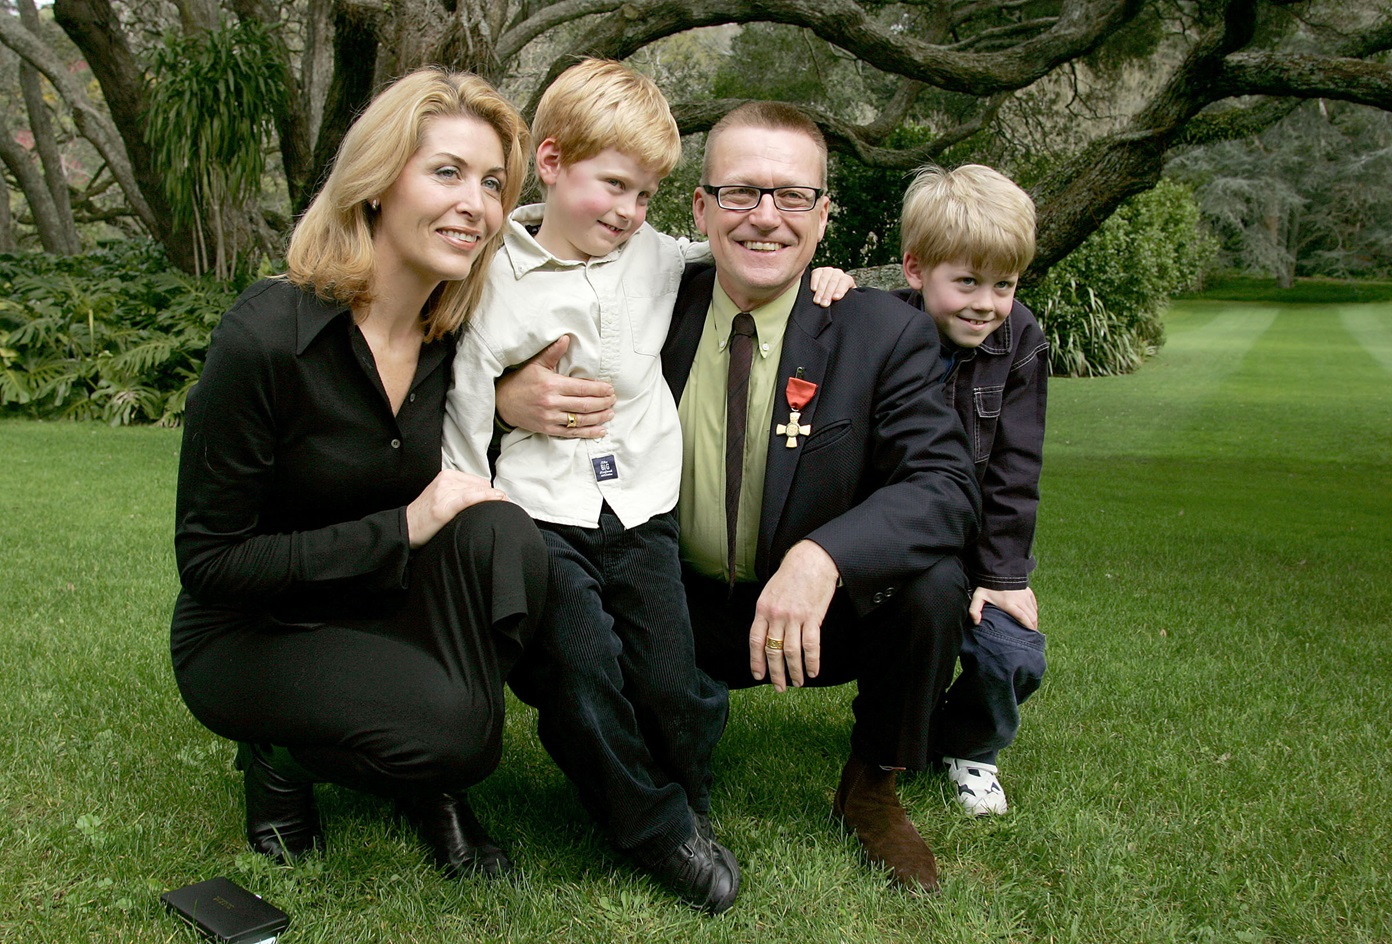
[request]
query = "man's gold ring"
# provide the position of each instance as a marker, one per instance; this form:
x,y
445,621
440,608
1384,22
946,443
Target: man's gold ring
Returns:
x,y
570,421
774,645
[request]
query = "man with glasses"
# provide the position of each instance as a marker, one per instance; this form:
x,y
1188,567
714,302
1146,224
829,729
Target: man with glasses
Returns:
x,y
826,490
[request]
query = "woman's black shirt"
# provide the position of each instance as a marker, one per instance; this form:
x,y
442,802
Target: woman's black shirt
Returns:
x,y
294,475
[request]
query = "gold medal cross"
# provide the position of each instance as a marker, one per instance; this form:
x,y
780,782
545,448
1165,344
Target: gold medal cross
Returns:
x,y
792,430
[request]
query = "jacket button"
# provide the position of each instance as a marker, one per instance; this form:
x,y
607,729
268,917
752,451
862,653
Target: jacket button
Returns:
x,y
396,444
878,598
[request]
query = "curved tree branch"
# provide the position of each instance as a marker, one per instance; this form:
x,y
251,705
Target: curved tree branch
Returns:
x,y
548,17
1080,27
91,123
35,190
993,36
1075,199
859,141
894,113
44,140
1267,73
1227,124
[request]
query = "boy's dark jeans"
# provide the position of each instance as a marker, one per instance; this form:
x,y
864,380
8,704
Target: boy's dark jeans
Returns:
x,y
1002,665
623,709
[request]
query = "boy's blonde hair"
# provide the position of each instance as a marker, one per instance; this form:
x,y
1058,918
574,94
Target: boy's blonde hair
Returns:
x,y
972,213
331,251
598,104
771,116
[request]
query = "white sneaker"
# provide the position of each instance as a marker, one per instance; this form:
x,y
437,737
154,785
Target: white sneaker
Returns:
x,y
978,790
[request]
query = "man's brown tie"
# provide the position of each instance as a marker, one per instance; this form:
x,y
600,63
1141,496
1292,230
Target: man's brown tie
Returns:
x,y
736,408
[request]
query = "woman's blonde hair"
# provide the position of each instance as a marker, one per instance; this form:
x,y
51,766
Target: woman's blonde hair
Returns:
x,y
331,251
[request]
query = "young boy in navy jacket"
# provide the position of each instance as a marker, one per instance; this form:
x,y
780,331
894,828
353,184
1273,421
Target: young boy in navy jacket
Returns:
x,y
968,234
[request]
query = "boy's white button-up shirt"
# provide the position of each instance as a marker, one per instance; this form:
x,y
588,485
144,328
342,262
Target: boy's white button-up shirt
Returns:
x,y
617,309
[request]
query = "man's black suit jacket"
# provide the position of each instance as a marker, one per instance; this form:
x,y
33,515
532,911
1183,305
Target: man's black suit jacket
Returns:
x,y
883,483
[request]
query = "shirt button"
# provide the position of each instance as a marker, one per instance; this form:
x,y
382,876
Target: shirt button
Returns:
x,y
396,444
412,398
764,348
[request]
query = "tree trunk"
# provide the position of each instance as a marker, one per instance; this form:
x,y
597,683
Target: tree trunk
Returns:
x,y
31,183
197,15
295,121
46,143
7,233
316,66
1291,245
93,26
355,64
375,43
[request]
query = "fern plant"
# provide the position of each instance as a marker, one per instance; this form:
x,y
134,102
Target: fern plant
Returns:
x,y
114,335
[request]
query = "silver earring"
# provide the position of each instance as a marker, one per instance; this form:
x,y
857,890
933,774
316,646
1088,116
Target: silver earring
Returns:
x,y
376,205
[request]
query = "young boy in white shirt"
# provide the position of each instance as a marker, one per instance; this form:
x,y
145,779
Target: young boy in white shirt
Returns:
x,y
622,707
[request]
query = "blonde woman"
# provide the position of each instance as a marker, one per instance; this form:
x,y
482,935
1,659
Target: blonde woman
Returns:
x,y
349,611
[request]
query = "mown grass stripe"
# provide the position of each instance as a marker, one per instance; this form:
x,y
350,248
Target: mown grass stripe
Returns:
x,y
1140,414
1372,326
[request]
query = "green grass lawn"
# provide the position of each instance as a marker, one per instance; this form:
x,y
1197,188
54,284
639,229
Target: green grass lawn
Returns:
x,y
1208,759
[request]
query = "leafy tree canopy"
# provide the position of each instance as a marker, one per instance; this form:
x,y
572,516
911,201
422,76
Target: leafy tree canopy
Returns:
x,y
1083,100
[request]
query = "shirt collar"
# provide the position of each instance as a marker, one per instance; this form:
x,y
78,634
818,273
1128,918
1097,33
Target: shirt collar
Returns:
x,y
312,315
770,320
526,254
998,341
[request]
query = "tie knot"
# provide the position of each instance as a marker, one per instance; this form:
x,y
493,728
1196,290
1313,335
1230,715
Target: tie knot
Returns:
x,y
744,325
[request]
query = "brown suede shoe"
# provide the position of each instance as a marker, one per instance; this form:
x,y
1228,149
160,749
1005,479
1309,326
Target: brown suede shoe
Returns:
x,y
868,804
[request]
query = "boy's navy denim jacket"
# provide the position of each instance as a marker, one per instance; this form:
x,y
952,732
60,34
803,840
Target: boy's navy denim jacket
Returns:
x,y
999,391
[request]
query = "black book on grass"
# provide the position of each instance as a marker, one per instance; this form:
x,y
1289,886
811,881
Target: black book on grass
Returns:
x,y
225,911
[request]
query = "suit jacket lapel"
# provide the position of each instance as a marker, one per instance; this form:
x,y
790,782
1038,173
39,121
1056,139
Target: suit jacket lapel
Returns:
x,y
801,348
688,320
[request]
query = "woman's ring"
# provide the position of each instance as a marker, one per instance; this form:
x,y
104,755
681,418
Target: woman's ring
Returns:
x,y
570,421
774,645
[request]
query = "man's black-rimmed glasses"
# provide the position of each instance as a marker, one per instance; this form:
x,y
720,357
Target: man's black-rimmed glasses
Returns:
x,y
741,197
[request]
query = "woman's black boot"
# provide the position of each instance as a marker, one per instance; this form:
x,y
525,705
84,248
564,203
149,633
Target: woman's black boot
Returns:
x,y
457,840
282,822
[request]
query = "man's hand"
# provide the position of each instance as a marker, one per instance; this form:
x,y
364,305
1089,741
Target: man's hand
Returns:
x,y
536,398
1020,604
791,610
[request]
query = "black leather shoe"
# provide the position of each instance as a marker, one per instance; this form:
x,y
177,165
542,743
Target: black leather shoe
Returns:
x,y
457,840
282,822
701,872
703,825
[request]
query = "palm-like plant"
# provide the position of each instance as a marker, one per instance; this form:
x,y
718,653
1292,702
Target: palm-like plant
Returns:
x,y
212,98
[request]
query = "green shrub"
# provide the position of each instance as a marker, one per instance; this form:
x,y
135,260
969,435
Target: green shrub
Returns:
x,y
1101,306
115,335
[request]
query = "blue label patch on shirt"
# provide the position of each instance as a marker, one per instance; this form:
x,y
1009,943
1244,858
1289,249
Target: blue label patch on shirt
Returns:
x,y
605,468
